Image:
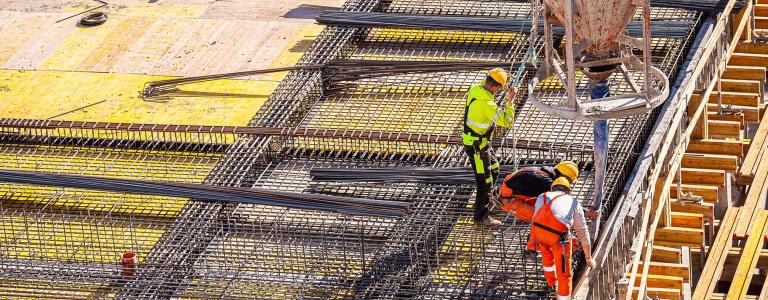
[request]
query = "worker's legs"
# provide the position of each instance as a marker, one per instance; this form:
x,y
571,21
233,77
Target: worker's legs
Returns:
x,y
562,256
483,179
519,208
531,244
494,164
548,265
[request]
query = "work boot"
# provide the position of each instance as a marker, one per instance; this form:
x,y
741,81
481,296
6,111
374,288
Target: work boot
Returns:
x,y
552,290
491,222
531,255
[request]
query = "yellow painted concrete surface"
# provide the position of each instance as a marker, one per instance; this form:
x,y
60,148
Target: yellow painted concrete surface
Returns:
x,y
115,98
96,74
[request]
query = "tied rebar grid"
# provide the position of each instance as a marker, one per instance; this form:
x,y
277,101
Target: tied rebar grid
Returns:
x,y
66,243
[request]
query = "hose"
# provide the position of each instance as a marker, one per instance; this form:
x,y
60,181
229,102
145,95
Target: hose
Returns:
x,y
93,19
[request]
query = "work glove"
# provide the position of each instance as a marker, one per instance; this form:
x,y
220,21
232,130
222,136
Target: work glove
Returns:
x,y
511,93
590,263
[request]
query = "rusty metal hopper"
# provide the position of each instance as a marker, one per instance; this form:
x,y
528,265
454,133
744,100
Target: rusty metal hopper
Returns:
x,y
596,46
596,22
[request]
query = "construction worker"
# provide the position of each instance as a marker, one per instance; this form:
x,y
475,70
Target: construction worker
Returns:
x,y
520,189
556,212
481,115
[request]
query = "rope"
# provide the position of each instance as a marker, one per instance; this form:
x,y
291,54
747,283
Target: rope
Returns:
x,y
530,58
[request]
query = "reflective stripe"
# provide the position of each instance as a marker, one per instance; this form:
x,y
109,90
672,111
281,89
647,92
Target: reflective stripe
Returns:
x,y
495,165
489,180
549,269
479,165
563,297
480,125
497,115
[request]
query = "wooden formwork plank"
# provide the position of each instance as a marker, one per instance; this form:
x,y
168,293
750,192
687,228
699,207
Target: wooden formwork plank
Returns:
x,y
672,269
746,47
680,235
761,10
749,59
761,22
714,146
663,281
751,99
731,117
717,254
751,114
745,72
707,191
702,176
741,85
749,257
704,208
688,220
756,193
757,147
711,161
664,254
661,293
724,129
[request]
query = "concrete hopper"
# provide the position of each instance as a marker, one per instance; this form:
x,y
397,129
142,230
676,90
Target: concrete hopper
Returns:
x,y
596,45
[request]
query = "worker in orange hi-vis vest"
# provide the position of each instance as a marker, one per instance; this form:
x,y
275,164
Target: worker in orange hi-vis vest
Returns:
x,y
556,212
519,191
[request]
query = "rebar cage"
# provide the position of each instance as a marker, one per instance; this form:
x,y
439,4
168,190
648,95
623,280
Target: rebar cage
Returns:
x,y
66,243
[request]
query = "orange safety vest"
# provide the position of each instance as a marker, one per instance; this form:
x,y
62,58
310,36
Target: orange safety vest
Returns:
x,y
546,228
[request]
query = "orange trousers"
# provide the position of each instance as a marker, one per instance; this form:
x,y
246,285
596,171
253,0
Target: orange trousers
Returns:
x,y
556,262
522,208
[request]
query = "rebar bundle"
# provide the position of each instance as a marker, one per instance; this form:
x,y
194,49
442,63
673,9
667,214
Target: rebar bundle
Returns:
x,y
210,193
393,101
670,29
444,176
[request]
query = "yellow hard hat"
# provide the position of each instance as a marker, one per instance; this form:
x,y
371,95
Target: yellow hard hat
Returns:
x,y
568,169
499,75
562,181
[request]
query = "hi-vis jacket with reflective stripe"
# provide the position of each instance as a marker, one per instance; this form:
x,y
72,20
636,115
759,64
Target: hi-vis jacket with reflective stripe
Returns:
x,y
481,114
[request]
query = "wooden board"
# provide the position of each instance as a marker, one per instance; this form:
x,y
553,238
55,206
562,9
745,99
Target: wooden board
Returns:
x,y
741,85
736,98
680,234
759,146
672,269
706,209
749,257
716,258
711,161
724,129
702,176
749,59
687,220
714,146
708,192
751,114
745,72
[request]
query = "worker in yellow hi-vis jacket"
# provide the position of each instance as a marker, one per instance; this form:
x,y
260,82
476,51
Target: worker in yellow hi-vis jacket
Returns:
x,y
481,115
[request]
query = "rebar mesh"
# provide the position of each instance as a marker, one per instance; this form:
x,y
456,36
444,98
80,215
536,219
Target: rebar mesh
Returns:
x,y
66,243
